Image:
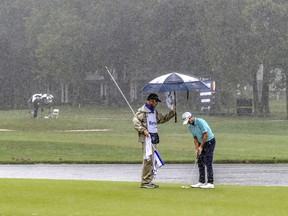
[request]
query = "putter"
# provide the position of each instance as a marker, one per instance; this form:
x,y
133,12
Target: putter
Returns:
x,y
192,171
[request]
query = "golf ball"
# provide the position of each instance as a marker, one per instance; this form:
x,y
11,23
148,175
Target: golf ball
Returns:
x,y
184,187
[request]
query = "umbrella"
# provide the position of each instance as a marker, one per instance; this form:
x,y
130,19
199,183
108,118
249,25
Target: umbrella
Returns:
x,y
173,82
47,98
35,97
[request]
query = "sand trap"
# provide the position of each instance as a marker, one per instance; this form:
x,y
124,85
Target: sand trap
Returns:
x,y
89,130
4,130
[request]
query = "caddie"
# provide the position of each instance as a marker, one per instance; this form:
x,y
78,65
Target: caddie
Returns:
x,y
146,123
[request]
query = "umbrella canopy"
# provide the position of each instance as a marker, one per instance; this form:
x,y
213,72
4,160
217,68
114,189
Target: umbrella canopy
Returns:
x,y
47,98
35,97
174,82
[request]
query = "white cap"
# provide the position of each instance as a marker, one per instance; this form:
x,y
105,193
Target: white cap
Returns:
x,y
186,116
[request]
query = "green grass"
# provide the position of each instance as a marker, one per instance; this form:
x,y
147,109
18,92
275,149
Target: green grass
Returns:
x,y
45,140
239,139
54,197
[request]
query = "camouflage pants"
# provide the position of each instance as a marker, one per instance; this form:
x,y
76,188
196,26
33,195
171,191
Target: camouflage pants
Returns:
x,y
147,175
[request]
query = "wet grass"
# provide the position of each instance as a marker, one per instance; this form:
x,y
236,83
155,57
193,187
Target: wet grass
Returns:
x,y
54,197
239,139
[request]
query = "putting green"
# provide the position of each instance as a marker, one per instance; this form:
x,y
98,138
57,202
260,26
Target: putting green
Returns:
x,y
61,197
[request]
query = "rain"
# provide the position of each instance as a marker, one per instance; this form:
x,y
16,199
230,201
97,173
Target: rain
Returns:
x,y
62,48
56,54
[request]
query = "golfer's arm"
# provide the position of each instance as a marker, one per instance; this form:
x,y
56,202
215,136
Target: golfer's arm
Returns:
x,y
204,139
196,143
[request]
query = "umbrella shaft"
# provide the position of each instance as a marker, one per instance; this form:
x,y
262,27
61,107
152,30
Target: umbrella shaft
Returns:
x,y
175,106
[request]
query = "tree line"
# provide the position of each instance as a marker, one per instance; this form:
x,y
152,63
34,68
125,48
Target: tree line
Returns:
x,y
48,44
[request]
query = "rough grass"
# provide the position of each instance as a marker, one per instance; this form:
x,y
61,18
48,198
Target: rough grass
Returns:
x,y
54,197
253,140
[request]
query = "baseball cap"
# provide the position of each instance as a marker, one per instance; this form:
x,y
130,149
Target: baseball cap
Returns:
x,y
186,116
153,96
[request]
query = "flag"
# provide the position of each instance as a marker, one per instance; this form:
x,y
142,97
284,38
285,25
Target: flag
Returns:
x,y
158,162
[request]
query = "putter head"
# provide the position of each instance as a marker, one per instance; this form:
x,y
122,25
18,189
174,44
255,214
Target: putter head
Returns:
x,y
184,187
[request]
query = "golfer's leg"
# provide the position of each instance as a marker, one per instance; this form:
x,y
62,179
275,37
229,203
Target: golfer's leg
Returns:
x,y
209,153
201,166
35,113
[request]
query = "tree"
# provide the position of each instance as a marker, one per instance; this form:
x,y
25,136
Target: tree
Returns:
x,y
60,37
15,73
265,17
222,28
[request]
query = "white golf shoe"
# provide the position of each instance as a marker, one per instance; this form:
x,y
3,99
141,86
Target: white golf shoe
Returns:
x,y
207,186
198,185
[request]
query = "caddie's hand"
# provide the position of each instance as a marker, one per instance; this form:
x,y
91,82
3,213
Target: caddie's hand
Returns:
x,y
146,133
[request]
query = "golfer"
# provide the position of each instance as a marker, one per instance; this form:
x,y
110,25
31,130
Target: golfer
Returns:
x,y
145,122
204,141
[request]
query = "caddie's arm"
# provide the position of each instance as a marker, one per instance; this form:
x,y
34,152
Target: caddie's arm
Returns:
x,y
164,118
146,133
138,122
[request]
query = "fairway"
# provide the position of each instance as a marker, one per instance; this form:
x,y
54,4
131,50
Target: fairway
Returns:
x,y
106,135
61,197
